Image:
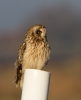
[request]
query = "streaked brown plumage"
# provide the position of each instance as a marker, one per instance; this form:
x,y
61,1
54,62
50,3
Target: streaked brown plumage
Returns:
x,y
33,53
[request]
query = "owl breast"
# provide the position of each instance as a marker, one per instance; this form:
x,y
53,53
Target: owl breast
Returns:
x,y
36,57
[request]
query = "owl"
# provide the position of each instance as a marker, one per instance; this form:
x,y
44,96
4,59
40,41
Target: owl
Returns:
x,y
33,53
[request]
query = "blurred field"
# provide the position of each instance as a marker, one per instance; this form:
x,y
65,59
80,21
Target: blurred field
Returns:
x,y
65,80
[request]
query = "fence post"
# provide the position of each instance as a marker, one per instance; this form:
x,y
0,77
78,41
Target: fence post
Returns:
x,y
35,85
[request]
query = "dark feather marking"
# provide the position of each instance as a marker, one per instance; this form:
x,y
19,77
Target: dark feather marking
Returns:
x,y
18,63
19,73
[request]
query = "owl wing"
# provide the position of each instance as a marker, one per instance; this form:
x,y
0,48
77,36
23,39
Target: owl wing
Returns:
x,y
18,63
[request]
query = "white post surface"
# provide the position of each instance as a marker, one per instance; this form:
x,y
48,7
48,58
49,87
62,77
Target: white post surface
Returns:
x,y
35,85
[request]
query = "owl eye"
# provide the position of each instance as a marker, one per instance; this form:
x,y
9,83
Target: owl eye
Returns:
x,y
38,32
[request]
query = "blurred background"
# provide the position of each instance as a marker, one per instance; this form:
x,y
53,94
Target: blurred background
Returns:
x,y
62,19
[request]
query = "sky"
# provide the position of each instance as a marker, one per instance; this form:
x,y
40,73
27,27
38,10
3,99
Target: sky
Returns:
x,y
13,12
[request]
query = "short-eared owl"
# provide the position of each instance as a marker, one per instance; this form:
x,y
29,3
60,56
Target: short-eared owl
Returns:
x,y
33,53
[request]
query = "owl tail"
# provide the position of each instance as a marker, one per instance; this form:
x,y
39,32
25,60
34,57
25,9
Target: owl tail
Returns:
x,y
18,83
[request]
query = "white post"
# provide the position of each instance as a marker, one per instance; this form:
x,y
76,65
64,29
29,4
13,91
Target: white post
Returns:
x,y
35,85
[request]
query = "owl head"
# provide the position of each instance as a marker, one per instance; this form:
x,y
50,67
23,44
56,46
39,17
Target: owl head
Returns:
x,y
37,31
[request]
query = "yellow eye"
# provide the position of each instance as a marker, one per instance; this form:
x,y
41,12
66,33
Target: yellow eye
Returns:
x,y
38,32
